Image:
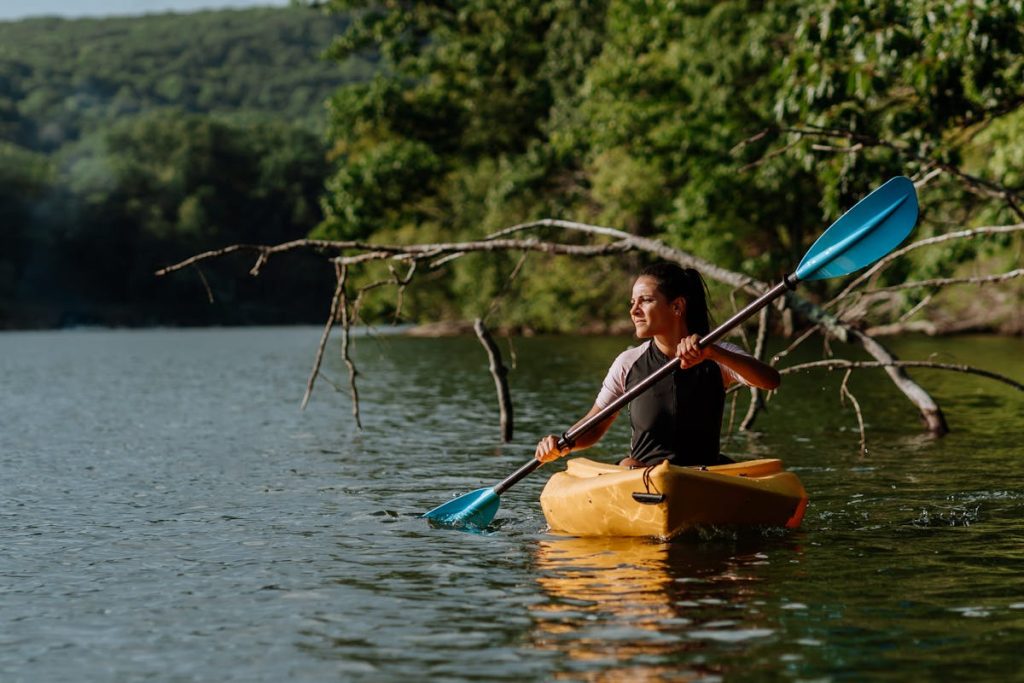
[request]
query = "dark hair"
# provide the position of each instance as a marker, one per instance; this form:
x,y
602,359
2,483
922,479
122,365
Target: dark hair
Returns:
x,y
674,281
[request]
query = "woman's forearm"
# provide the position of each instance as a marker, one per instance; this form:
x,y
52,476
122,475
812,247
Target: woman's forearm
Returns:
x,y
753,371
547,449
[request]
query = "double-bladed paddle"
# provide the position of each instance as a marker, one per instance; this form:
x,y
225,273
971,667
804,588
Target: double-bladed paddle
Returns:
x,y
861,236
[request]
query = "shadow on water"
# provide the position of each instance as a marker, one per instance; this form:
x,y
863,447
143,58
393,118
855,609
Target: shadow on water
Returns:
x,y
624,609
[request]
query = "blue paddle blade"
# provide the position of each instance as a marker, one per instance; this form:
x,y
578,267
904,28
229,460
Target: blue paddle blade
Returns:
x,y
473,509
864,234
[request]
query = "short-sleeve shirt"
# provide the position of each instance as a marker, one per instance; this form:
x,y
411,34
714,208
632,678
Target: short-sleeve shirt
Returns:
x,y
679,418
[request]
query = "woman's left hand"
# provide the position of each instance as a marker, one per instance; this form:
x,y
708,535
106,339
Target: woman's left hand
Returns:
x,y
690,354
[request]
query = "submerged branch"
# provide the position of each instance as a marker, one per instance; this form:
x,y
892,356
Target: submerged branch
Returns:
x,y
500,374
844,393
756,398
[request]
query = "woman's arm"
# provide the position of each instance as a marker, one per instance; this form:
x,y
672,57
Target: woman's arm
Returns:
x,y
547,448
754,372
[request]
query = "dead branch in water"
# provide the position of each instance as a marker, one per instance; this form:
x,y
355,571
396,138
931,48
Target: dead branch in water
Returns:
x,y
839,363
757,403
844,393
339,291
500,374
432,257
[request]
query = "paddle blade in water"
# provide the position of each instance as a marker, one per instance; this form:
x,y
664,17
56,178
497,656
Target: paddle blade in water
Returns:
x,y
864,234
472,509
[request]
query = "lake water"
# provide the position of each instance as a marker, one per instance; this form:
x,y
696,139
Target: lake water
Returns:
x,y
167,513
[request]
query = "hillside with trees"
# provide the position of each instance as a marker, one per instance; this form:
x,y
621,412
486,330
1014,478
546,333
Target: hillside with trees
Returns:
x,y
736,131
61,79
125,142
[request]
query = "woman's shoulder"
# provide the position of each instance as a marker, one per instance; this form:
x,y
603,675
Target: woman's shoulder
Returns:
x,y
630,355
614,384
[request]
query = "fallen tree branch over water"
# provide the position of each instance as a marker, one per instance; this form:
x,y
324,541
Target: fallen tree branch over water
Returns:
x,y
845,326
842,364
873,272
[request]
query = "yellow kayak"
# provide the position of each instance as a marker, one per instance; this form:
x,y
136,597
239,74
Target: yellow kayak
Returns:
x,y
594,499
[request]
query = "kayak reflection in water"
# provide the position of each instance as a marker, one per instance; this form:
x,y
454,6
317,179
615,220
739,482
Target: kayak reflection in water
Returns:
x,y
679,418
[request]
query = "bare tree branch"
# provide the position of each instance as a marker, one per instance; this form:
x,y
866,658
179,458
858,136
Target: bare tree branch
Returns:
x,y
929,241
505,287
635,242
500,374
440,253
804,336
263,249
944,281
756,400
409,252
346,325
864,300
206,285
926,405
402,284
331,317
834,363
844,392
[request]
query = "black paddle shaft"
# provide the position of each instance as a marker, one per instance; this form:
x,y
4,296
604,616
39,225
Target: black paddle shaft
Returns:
x,y
568,439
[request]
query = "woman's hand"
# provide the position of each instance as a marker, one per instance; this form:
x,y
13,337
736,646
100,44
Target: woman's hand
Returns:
x,y
690,354
548,450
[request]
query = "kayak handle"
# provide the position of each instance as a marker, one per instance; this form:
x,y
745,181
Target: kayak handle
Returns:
x,y
649,498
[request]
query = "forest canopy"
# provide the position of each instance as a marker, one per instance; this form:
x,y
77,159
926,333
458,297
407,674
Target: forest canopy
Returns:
x,y
734,130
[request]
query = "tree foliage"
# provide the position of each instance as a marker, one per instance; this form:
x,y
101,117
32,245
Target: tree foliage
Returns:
x,y
736,130
125,143
93,224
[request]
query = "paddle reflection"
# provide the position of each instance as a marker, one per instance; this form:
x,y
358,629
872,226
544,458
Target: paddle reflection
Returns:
x,y
625,608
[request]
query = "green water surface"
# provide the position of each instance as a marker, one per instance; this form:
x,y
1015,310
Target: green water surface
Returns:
x,y
170,514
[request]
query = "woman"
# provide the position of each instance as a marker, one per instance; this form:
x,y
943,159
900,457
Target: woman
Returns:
x,y
680,417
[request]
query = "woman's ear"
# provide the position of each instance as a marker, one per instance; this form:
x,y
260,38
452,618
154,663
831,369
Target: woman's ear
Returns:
x,y
679,306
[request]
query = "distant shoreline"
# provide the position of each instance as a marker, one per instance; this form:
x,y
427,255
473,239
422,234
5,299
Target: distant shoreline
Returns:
x,y
442,329
106,9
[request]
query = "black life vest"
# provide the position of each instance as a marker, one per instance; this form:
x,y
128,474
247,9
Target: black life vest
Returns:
x,y
680,417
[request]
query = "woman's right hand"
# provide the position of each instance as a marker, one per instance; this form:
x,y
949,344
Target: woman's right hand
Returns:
x,y
548,450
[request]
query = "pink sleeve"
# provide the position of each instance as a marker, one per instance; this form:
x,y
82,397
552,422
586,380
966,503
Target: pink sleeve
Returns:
x,y
614,384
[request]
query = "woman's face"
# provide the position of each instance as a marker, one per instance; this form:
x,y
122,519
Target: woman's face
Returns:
x,y
651,312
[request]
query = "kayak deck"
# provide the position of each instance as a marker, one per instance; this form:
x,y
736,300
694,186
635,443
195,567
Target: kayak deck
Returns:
x,y
596,499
